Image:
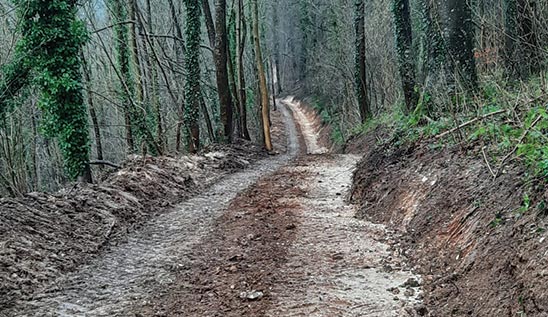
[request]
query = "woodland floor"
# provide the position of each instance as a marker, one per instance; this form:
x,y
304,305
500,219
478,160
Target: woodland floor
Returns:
x,y
276,239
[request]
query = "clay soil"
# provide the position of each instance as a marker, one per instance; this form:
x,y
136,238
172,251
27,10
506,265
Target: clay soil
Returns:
x,y
44,236
290,246
480,251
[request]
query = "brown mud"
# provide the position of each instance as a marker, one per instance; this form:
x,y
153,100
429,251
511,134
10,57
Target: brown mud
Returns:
x,y
290,246
480,251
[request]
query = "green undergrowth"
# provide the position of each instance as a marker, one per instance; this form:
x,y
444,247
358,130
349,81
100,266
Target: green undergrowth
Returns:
x,y
509,125
331,119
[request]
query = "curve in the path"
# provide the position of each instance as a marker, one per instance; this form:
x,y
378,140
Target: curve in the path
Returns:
x,y
127,274
308,130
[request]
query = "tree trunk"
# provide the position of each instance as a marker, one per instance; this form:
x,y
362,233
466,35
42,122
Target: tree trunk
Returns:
x,y
119,15
276,39
521,55
221,60
210,25
155,97
361,75
192,65
273,85
240,39
404,46
231,51
459,29
265,108
91,106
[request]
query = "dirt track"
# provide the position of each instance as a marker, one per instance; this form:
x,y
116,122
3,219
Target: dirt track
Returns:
x,y
275,240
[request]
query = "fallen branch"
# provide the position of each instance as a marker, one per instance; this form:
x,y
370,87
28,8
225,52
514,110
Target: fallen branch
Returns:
x,y
464,125
487,162
515,149
107,163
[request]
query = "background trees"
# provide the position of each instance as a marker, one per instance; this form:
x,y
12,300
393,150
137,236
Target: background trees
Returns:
x,y
157,73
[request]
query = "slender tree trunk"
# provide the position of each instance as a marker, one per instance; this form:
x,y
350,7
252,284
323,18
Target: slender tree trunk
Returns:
x,y
240,39
180,51
221,60
276,39
210,25
265,107
119,15
273,85
232,69
192,65
361,74
404,46
154,98
207,118
91,106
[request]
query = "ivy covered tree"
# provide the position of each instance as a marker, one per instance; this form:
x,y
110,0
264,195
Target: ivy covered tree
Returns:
x,y
192,65
119,15
50,46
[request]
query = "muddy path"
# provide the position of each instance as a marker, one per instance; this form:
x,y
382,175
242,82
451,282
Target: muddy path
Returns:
x,y
290,246
147,262
278,239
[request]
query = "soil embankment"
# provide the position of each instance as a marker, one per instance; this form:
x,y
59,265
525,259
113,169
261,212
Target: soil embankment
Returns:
x,y
479,244
44,237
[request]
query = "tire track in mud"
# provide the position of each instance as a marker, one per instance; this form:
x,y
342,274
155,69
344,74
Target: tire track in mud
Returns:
x,y
131,272
291,246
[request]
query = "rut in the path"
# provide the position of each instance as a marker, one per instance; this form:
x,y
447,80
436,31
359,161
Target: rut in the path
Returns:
x,y
129,273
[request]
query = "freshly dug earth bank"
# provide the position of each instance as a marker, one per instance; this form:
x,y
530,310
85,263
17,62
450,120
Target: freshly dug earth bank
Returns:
x,y
480,246
43,236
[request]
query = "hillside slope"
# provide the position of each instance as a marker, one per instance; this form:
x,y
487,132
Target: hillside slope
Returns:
x,y
479,242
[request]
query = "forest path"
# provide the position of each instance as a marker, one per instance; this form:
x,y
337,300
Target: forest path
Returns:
x,y
278,239
147,263
291,246
337,265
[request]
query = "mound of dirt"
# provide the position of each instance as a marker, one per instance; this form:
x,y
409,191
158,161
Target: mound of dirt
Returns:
x,y
479,244
44,235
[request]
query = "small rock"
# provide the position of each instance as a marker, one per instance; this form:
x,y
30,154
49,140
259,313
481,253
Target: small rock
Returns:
x,y
394,290
290,227
253,295
421,310
387,269
412,282
232,269
409,292
337,256
236,258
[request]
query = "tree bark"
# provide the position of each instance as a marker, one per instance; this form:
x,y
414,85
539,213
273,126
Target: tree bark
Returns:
x,y
240,39
91,106
210,25
192,65
221,60
404,46
459,29
119,14
361,75
265,107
